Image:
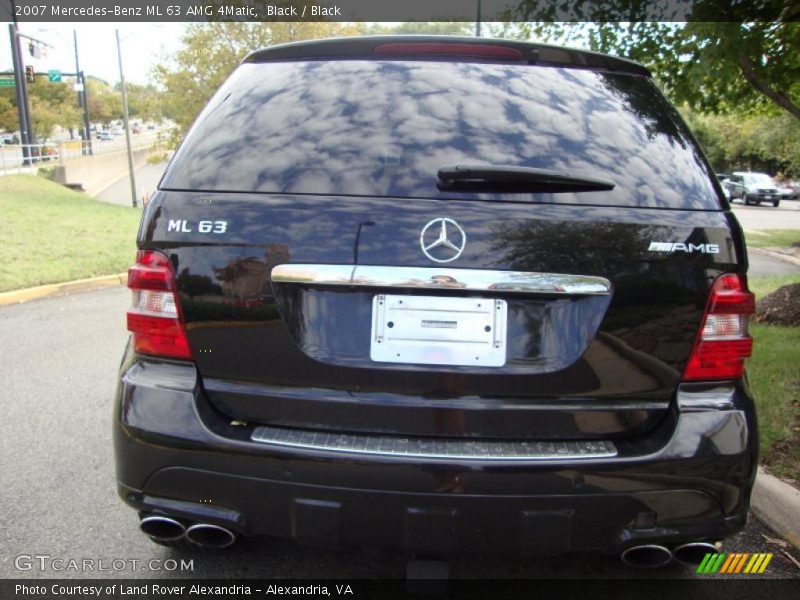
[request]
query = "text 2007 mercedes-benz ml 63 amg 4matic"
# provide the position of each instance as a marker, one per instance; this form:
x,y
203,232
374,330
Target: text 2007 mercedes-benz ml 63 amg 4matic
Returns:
x,y
442,295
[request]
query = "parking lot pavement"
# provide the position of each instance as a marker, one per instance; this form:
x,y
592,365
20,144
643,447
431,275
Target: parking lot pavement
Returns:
x,y
58,363
766,216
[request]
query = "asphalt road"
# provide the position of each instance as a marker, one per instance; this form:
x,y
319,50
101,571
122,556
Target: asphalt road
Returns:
x,y
58,365
761,264
147,177
785,216
766,216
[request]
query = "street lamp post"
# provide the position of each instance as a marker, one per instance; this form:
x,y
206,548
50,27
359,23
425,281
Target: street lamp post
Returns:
x,y
134,202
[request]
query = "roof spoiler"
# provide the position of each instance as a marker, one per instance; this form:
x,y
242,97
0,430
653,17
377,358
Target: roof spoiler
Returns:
x,y
415,47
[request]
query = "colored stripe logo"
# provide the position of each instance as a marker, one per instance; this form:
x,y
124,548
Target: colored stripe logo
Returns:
x,y
734,563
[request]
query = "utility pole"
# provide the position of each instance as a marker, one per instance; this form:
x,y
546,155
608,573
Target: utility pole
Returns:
x,y
82,100
25,129
19,83
134,203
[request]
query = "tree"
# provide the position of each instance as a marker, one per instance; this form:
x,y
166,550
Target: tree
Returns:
x,y
211,51
426,28
52,105
757,142
144,102
751,65
9,121
44,117
105,103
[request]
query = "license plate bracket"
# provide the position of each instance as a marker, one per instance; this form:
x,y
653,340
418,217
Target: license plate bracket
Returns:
x,y
438,330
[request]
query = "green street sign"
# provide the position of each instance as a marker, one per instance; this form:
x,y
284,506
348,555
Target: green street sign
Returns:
x,y
7,83
54,76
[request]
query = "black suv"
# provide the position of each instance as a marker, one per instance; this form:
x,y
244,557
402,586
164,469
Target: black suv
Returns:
x,y
442,295
752,188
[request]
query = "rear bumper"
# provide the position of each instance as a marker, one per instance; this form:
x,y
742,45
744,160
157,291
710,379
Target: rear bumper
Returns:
x,y
689,480
760,197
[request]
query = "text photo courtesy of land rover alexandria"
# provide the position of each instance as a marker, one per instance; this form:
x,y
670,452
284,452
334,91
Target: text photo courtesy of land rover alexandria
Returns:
x,y
439,296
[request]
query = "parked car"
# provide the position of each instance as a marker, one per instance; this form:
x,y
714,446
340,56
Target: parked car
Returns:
x,y
722,178
473,295
790,190
104,135
753,188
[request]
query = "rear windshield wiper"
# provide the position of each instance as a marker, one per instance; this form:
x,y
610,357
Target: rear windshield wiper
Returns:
x,y
498,178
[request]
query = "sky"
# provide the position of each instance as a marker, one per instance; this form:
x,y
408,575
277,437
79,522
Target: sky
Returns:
x,y
143,45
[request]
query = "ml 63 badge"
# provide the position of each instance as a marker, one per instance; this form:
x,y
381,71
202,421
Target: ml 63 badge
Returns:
x,y
184,226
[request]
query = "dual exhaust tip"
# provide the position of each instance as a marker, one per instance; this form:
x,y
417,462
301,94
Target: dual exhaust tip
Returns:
x,y
204,535
651,556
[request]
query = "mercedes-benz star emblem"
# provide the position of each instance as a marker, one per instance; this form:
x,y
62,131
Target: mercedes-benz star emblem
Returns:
x,y
442,240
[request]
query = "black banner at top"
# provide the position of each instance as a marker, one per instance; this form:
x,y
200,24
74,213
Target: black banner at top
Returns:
x,y
399,10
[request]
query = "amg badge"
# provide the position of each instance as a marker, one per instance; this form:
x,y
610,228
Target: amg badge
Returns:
x,y
682,247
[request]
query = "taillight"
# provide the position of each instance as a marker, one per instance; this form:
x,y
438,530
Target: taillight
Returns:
x,y
154,317
723,343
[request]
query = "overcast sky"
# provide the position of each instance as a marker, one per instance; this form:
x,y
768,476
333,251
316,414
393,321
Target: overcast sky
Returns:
x,y
143,45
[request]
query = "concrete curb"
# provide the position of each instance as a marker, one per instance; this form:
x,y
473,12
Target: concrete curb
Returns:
x,y
60,289
777,505
778,255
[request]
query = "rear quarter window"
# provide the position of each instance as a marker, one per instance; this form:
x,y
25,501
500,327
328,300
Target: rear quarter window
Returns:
x,y
384,128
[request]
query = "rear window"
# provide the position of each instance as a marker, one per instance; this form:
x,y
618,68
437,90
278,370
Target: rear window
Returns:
x,y
384,128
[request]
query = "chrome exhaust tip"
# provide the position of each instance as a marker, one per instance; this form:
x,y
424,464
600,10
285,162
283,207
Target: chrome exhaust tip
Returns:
x,y
648,556
692,554
207,535
162,528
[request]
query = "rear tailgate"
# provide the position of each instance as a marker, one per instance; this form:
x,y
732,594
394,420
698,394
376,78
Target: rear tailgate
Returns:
x,y
297,353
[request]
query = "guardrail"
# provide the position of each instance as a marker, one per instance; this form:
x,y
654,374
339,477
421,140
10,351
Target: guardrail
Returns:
x,y
19,158
28,158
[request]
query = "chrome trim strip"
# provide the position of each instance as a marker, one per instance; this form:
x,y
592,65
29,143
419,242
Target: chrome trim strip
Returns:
x,y
433,278
434,448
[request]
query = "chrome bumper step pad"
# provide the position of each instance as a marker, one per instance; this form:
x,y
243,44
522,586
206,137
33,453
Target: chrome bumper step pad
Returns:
x,y
433,448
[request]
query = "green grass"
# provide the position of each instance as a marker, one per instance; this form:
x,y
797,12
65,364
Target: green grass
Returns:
x,y
774,374
51,234
776,238
761,286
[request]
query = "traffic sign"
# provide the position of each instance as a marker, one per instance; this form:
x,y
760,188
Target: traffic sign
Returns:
x,y
7,82
54,76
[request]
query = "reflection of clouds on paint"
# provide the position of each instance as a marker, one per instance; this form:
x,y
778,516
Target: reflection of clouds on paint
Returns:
x,y
383,128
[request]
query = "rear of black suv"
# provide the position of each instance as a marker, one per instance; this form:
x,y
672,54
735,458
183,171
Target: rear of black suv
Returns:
x,y
442,295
